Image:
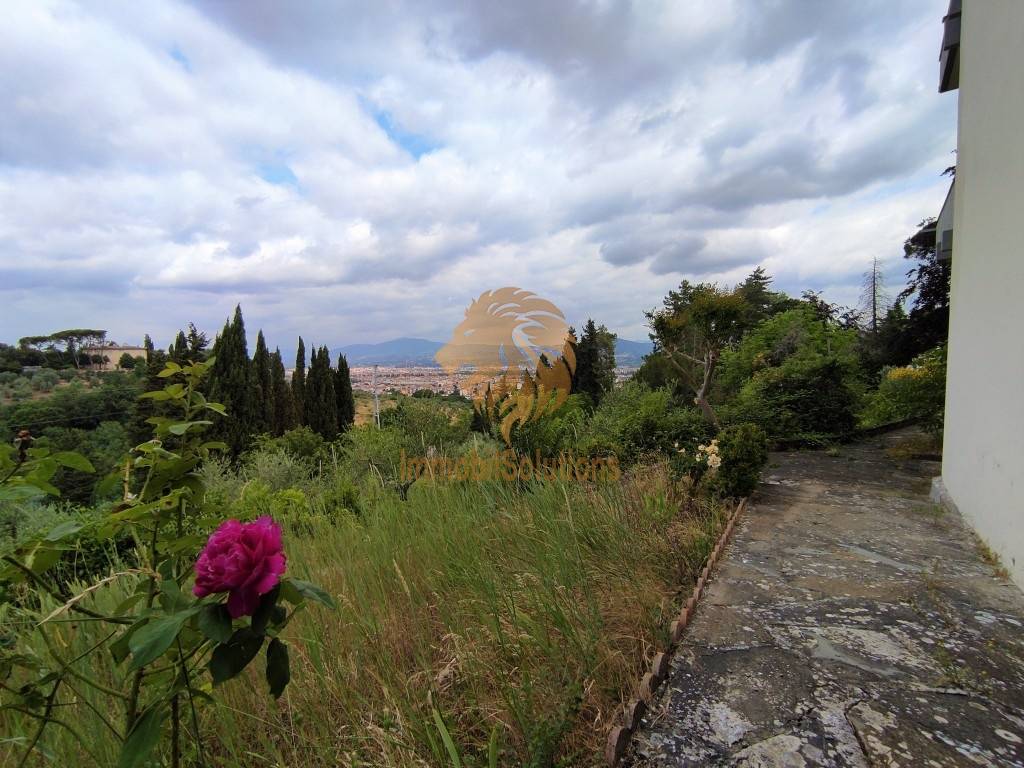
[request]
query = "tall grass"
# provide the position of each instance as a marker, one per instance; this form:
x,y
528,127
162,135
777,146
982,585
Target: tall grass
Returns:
x,y
477,623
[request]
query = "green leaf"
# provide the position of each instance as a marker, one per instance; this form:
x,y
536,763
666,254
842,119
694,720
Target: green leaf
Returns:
x,y
172,598
156,394
449,744
65,529
492,749
153,640
217,408
42,485
20,492
143,737
261,616
278,673
232,657
184,426
73,460
296,590
170,368
215,622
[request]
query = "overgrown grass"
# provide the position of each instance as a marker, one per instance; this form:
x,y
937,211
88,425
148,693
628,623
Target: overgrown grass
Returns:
x,y
470,615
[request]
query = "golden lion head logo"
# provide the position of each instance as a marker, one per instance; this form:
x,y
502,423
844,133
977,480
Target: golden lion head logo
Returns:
x,y
518,353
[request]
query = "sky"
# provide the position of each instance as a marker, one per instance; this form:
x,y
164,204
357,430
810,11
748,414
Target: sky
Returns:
x,y
354,172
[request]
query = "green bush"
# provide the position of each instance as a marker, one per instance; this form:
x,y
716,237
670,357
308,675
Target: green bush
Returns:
x,y
743,449
299,443
915,391
8,377
427,423
802,400
633,420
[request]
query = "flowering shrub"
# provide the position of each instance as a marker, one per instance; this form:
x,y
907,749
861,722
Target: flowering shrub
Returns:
x,y
698,464
915,391
164,639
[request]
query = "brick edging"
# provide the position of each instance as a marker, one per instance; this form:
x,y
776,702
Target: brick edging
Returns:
x,y
620,736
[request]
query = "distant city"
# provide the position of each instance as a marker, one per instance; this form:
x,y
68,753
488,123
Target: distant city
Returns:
x,y
409,379
407,365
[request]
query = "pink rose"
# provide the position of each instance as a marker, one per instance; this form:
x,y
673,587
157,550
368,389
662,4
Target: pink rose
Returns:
x,y
244,559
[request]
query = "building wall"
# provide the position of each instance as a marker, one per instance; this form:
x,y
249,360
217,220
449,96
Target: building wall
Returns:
x,y
983,455
113,355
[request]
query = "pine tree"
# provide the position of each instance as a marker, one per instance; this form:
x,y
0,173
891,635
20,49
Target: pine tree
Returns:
x,y
284,404
232,385
343,393
264,389
197,343
321,404
299,384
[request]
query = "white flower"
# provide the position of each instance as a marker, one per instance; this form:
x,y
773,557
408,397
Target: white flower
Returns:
x,y
714,462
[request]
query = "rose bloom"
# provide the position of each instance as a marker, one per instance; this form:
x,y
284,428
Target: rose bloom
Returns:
x,y
243,559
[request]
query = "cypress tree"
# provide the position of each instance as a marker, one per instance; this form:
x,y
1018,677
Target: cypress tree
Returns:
x,y
321,403
284,405
595,362
232,385
179,350
299,384
343,393
264,389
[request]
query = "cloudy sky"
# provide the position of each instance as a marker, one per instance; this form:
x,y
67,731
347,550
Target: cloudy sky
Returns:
x,y
358,171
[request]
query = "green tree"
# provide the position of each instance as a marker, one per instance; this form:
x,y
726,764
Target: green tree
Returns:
x,y
761,300
178,351
595,362
197,343
299,383
692,328
264,392
345,397
126,362
232,384
927,323
284,404
321,403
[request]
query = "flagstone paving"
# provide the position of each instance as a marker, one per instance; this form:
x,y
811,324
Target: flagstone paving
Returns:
x,y
851,623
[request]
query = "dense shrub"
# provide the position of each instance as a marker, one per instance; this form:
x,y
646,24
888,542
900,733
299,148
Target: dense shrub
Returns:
x,y
427,424
794,338
45,380
299,443
633,420
915,391
743,449
800,400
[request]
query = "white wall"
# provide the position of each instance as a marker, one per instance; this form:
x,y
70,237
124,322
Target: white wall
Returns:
x,y
983,454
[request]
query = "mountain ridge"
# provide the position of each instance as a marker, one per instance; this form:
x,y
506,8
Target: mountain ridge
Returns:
x,y
409,351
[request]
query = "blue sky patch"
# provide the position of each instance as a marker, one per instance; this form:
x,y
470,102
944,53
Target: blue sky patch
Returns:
x,y
415,144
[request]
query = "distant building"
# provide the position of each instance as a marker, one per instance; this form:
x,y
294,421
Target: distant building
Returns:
x,y
111,354
979,228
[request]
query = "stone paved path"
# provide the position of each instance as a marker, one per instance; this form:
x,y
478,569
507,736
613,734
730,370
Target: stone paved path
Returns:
x,y
851,623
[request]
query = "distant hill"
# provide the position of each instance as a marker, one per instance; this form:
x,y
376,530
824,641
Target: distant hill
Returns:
x,y
631,352
405,352
409,352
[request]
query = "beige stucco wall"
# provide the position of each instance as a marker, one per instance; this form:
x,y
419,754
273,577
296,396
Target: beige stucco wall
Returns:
x,y
983,464
113,355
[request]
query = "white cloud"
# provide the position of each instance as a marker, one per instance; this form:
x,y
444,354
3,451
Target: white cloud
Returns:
x,y
358,172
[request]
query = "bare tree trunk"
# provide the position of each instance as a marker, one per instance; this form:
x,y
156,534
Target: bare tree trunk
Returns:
x,y
701,400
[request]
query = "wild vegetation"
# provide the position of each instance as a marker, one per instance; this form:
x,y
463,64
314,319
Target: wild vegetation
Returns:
x,y
461,622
